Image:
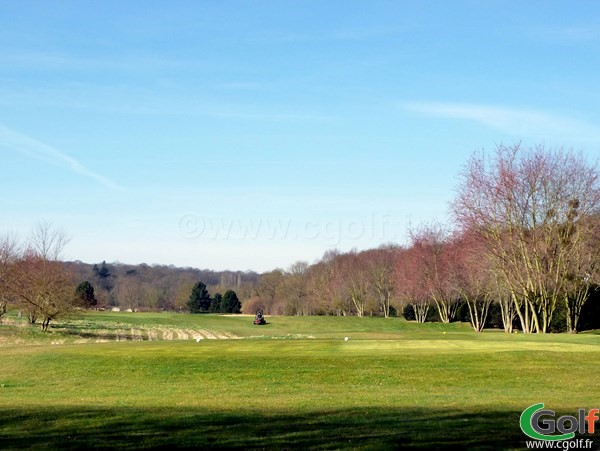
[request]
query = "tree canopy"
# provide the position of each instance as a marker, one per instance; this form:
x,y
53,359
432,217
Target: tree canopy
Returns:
x,y
230,303
84,295
199,300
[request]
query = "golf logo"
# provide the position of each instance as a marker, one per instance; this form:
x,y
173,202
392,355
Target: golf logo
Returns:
x,y
542,424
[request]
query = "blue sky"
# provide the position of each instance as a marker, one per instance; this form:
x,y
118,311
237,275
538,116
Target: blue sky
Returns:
x,y
251,134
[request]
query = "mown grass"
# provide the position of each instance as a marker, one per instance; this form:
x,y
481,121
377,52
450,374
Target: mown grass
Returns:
x,y
394,384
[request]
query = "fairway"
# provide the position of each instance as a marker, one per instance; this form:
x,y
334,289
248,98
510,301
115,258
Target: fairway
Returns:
x,y
293,383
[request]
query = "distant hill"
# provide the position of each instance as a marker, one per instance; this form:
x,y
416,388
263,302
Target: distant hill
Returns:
x,y
156,287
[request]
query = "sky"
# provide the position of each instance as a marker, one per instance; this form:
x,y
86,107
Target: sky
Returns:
x,y
247,135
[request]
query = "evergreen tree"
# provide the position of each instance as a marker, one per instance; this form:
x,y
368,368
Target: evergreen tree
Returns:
x,y
230,303
102,272
104,278
215,303
84,295
199,300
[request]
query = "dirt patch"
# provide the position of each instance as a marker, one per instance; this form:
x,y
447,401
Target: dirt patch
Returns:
x,y
137,335
167,334
195,334
181,335
207,334
110,333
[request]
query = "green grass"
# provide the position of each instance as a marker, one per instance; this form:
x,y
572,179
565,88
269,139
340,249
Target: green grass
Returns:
x,y
110,326
394,384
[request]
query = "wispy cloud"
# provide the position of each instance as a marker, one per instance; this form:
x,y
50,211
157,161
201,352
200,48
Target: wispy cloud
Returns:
x,y
15,141
515,121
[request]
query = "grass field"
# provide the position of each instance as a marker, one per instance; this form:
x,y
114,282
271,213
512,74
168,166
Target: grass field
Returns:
x,y
294,383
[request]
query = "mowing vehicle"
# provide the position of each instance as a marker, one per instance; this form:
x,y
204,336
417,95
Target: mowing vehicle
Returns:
x,y
259,319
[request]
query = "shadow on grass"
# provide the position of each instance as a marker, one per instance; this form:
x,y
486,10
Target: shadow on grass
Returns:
x,y
364,428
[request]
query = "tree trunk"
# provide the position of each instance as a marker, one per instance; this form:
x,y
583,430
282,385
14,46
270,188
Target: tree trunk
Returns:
x,y
385,304
507,308
421,311
478,312
3,309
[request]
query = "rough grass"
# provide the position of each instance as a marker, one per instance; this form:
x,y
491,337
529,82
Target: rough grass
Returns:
x,y
112,326
394,384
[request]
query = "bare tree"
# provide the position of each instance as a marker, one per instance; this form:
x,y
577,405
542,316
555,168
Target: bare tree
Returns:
x,y
268,291
329,286
504,297
354,276
472,278
41,284
295,289
583,270
48,242
131,293
430,243
43,287
9,254
323,286
381,264
527,205
410,284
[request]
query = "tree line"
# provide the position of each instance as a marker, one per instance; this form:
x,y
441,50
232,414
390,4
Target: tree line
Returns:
x,y
38,284
200,301
156,287
524,247
522,251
